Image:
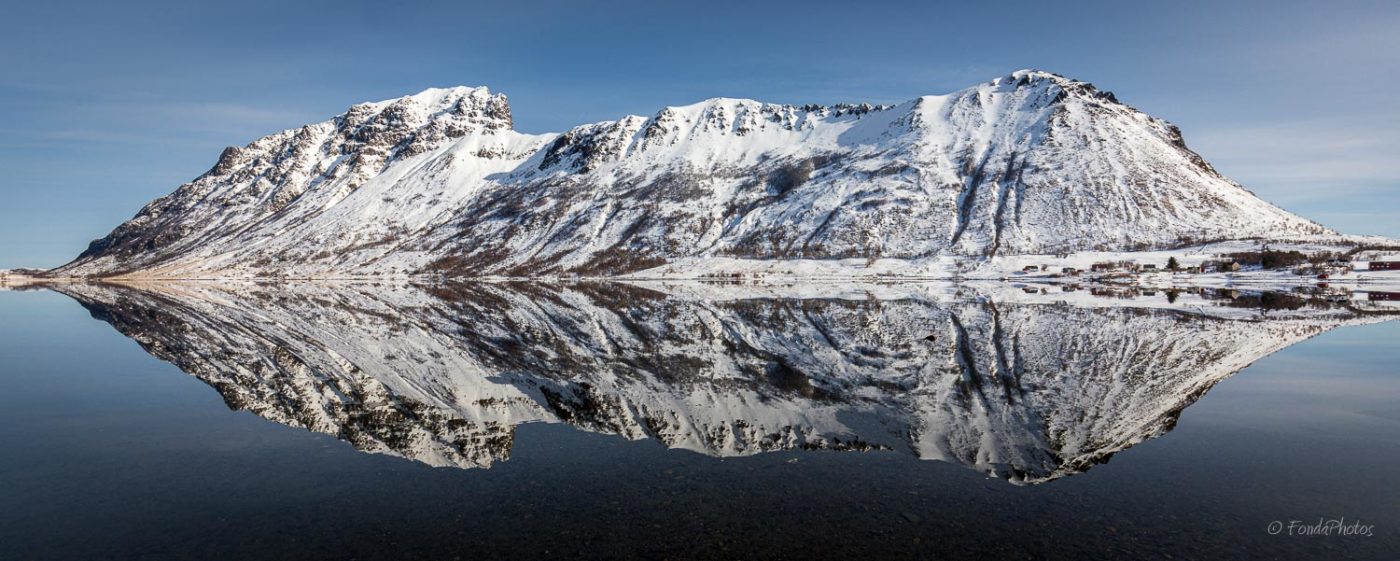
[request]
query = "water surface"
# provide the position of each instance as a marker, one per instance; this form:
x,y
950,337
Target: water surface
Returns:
x,y
695,421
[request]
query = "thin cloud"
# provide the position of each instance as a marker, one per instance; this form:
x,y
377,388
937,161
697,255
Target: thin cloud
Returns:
x,y
154,122
1296,159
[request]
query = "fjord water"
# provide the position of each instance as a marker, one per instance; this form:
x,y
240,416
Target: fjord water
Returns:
x,y
112,453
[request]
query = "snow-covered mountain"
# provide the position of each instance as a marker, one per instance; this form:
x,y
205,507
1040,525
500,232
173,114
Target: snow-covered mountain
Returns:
x,y
438,182
1030,389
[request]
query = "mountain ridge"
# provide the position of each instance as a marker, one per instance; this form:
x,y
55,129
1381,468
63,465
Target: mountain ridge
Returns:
x,y
439,183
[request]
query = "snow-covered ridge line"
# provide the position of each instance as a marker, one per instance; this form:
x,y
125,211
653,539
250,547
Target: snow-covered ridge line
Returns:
x,y
438,183
1028,390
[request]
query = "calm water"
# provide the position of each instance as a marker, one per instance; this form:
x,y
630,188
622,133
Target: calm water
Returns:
x,y
111,453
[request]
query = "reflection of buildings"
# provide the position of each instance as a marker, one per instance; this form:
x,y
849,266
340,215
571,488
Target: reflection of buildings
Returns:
x,y
1029,390
1378,301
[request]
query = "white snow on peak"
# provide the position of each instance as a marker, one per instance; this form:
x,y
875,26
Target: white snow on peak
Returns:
x,y
436,98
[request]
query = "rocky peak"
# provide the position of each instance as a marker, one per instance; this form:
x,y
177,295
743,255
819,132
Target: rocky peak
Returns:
x,y
1026,80
373,135
1030,76
477,105
420,122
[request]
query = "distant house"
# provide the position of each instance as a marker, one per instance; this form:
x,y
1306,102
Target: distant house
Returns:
x,y
1231,266
1102,267
1149,267
1069,271
1030,269
1383,266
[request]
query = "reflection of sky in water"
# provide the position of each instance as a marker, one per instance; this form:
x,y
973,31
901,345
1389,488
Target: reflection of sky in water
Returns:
x,y
1344,378
110,451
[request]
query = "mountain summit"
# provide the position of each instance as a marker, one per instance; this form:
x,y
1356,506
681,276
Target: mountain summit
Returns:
x,y
439,183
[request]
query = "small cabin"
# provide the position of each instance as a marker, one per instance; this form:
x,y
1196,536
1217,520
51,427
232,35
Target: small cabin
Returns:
x,y
1383,266
1030,269
1102,267
1149,267
1069,271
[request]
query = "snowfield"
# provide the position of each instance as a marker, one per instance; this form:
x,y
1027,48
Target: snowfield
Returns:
x,y
1013,268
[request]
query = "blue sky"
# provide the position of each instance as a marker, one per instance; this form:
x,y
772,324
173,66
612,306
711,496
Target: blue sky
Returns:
x,y
106,105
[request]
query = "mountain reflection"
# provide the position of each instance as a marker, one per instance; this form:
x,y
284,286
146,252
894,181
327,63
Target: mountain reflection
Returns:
x,y
1024,386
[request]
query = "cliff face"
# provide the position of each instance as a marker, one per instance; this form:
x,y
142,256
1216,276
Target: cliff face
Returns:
x,y
1028,391
438,182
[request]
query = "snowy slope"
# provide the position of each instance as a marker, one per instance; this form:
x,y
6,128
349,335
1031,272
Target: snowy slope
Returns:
x,y
439,183
1028,389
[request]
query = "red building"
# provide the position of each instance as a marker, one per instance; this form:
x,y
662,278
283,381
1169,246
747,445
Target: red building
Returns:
x,y
1384,265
